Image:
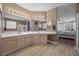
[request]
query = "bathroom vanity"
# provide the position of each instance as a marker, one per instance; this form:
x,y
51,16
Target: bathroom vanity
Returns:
x,y
17,41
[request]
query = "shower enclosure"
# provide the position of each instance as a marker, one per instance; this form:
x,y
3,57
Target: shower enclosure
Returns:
x,y
77,33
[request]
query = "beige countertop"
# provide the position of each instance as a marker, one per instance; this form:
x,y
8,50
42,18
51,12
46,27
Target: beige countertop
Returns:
x,y
10,34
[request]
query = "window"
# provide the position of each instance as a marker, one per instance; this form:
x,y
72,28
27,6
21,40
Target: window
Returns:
x,y
67,26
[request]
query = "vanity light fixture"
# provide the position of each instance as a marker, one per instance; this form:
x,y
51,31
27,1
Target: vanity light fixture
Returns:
x,y
13,11
19,13
8,9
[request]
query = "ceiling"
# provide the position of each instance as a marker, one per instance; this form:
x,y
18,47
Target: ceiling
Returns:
x,y
40,6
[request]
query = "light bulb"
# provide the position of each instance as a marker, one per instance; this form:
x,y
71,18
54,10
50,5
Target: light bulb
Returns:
x,y
13,11
9,9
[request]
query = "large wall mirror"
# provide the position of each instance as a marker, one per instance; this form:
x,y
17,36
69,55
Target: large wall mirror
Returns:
x,y
10,25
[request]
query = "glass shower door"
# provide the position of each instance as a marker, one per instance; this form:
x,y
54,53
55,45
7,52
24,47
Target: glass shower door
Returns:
x,y
77,32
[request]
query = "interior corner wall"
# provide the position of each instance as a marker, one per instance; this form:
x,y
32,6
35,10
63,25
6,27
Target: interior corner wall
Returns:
x,y
52,17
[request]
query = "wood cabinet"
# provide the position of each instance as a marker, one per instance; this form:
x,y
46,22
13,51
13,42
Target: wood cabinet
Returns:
x,y
36,39
12,44
24,41
28,40
20,42
43,39
9,45
39,39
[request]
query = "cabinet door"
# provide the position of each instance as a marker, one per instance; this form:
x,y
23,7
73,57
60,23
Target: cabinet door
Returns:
x,y
9,45
43,39
36,39
28,40
23,41
20,42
